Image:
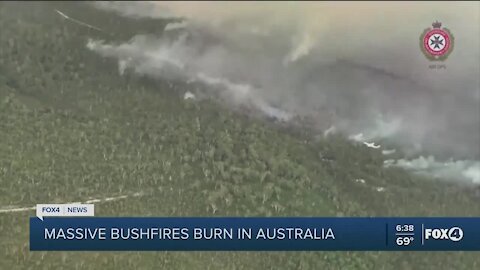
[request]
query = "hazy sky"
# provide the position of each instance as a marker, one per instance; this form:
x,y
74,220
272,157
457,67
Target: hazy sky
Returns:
x,y
288,52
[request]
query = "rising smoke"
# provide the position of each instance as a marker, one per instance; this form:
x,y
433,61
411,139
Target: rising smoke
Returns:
x,y
352,66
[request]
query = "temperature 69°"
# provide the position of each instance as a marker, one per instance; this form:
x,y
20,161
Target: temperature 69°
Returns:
x,y
404,240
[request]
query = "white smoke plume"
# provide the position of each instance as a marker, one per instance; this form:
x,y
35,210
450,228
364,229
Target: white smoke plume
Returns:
x,y
354,66
460,169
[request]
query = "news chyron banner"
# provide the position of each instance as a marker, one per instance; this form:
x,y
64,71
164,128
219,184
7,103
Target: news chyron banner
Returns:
x,y
73,227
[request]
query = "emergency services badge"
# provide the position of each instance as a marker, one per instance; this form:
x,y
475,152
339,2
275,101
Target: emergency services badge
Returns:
x,y
436,43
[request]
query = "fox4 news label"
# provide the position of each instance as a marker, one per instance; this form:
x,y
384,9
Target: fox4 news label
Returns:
x,y
73,227
454,234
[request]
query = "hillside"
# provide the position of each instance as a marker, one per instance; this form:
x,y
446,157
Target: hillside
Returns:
x,y
73,129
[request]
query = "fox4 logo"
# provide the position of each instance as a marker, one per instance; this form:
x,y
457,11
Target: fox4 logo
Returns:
x,y
454,234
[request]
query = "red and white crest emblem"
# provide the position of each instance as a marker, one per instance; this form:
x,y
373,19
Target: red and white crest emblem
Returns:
x,y
436,43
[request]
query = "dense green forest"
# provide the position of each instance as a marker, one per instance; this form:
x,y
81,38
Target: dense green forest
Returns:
x,y
72,128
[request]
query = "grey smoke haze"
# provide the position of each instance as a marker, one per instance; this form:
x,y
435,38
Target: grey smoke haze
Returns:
x,y
355,66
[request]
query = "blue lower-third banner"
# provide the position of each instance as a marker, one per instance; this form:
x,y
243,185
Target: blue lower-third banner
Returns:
x,y
254,234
